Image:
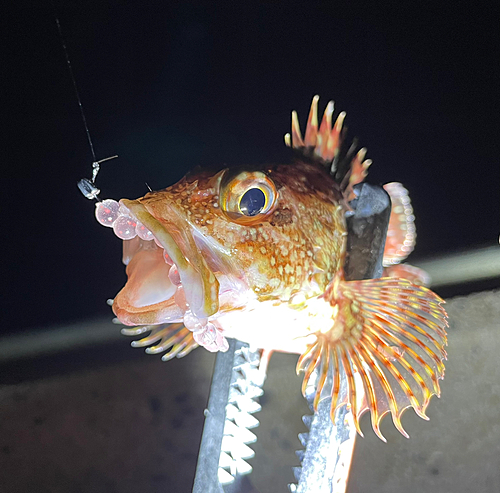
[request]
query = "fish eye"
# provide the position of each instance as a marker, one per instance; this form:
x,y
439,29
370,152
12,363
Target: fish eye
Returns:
x,y
247,197
252,202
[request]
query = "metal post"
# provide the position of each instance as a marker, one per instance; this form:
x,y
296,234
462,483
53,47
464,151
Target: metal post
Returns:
x,y
206,479
326,462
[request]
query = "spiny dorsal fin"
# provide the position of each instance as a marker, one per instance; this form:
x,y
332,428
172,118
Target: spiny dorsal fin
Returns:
x,y
323,143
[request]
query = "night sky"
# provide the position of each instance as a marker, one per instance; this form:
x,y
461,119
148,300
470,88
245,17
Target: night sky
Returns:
x,y
171,85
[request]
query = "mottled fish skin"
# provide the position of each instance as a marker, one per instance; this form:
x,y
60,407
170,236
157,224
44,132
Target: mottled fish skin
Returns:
x,y
300,241
291,253
258,254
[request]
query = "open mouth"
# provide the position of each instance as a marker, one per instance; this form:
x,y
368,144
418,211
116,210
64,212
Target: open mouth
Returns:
x,y
163,285
153,293
175,272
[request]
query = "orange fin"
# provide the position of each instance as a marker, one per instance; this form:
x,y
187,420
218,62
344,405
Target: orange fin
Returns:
x,y
409,272
175,337
356,173
401,234
387,341
323,143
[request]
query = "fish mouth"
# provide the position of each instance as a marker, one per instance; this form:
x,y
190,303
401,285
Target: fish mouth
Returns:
x,y
168,276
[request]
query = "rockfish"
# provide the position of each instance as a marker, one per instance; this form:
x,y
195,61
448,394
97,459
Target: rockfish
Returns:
x,y
257,254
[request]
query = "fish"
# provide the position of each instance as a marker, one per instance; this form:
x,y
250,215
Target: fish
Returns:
x,y
257,253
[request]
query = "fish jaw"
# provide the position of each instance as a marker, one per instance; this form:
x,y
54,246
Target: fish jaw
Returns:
x,y
152,294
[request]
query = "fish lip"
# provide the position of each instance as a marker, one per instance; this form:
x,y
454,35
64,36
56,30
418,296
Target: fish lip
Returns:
x,y
164,312
174,234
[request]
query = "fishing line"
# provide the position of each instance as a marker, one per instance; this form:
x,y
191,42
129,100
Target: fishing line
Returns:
x,y
85,185
70,68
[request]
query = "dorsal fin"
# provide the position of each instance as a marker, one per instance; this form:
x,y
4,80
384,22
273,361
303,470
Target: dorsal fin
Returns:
x,y
323,144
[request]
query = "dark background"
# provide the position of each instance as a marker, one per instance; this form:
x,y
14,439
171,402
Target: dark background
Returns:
x,y
170,85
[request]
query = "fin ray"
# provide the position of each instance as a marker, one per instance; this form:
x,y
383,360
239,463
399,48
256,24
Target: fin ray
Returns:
x,y
352,392
312,124
336,380
381,379
325,365
174,338
370,392
428,349
403,383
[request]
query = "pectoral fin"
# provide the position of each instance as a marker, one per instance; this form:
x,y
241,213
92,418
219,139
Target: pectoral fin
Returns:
x,y
387,340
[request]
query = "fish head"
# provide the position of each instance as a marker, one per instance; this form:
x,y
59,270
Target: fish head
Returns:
x,y
216,243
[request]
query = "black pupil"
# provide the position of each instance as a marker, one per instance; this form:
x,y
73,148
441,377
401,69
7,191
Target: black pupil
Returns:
x,y
252,202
